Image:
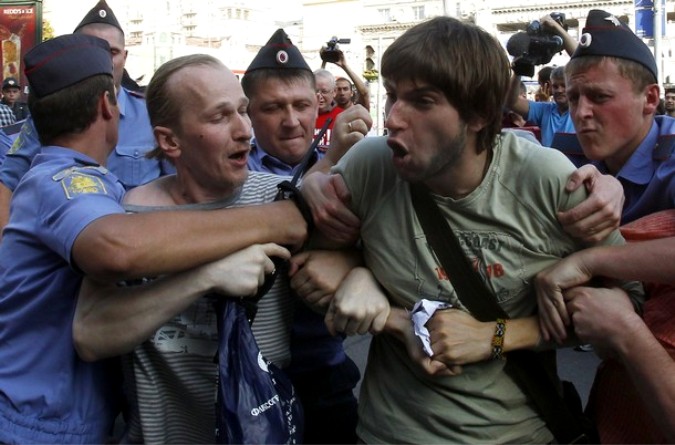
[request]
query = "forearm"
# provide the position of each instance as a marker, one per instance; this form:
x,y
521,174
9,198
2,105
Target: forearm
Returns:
x,y
652,370
569,44
361,88
398,323
156,243
111,320
458,339
521,333
513,100
652,261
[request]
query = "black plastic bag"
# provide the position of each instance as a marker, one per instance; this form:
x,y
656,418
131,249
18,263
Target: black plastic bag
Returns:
x,y
256,402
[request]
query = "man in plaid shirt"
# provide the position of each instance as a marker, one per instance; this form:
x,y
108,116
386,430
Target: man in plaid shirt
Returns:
x,y
6,116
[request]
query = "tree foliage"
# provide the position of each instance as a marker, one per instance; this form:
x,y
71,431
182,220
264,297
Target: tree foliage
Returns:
x,y
47,30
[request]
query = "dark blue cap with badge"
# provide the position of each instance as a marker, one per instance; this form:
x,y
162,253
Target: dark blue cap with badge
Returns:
x,y
10,82
101,13
606,35
64,61
278,53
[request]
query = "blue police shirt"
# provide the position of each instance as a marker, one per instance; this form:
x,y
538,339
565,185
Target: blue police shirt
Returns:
x,y
260,161
312,346
549,120
47,394
5,144
127,161
648,177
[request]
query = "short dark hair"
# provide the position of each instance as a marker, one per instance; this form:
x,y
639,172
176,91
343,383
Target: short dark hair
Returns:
x,y
462,60
70,110
544,74
251,80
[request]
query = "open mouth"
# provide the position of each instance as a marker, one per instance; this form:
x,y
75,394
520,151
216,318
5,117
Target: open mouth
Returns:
x,y
239,156
398,149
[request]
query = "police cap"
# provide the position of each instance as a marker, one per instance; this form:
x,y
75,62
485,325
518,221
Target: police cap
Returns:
x,y
101,13
606,35
64,61
278,53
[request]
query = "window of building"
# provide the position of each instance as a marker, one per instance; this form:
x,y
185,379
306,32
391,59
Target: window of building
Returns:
x,y
418,12
385,13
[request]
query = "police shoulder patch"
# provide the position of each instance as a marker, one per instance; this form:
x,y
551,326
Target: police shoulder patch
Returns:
x,y
25,132
77,181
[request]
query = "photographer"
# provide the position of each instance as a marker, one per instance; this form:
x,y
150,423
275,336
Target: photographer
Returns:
x,y
537,45
333,54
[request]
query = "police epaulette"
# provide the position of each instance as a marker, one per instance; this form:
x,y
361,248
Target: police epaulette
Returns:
x,y
82,168
665,145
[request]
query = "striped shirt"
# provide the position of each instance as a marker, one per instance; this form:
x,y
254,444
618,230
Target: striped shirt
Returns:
x,y
170,379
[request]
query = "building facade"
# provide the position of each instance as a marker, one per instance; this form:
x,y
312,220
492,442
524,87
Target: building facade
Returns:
x,y
234,30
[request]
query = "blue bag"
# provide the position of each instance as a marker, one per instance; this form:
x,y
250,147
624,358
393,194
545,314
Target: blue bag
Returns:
x,y
256,400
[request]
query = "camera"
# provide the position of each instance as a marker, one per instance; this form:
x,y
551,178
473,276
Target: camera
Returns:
x,y
331,52
535,46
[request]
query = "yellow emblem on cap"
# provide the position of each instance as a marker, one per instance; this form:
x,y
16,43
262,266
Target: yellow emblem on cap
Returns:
x,y
81,184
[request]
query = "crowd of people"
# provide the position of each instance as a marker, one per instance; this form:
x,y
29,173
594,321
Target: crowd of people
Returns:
x,y
127,213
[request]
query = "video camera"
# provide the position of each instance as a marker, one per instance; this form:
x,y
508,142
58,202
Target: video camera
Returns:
x,y
331,52
535,46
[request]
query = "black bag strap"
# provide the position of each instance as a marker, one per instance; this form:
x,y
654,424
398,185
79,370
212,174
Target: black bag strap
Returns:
x,y
534,372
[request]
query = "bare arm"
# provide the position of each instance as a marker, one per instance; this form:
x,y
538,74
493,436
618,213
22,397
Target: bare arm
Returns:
x,y
609,322
569,43
513,99
150,244
111,320
652,260
459,339
361,88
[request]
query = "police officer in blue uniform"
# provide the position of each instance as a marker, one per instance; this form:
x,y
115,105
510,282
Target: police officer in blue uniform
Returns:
x,y
323,375
128,160
48,396
618,129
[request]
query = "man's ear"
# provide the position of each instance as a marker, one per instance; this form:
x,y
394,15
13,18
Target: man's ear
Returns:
x,y
108,106
652,98
476,125
167,141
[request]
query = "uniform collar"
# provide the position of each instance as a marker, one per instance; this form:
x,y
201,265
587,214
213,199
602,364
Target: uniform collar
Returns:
x,y
56,151
259,154
640,167
122,101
